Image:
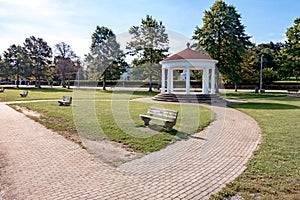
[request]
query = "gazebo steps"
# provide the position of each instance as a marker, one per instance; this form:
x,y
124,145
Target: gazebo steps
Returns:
x,y
189,98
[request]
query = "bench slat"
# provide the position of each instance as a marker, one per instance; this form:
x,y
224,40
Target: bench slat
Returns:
x,y
171,114
169,117
156,118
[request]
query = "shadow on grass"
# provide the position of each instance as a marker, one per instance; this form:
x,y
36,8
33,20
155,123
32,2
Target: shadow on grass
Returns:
x,y
267,106
288,99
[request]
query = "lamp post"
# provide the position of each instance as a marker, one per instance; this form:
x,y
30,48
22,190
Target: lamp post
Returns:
x,y
260,73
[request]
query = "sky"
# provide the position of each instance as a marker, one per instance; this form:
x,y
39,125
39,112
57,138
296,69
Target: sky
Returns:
x,y
74,21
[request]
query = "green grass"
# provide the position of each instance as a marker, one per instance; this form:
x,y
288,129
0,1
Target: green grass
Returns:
x,y
273,172
250,95
13,94
93,115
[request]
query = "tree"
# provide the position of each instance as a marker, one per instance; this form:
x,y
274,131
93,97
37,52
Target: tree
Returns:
x,y
65,62
289,56
16,62
269,51
106,59
39,56
223,37
150,44
2,68
248,72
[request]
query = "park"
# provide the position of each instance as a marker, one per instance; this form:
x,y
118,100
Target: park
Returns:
x,y
218,119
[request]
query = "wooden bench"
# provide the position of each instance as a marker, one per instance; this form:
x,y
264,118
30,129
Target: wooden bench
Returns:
x,y
24,94
2,89
292,90
66,100
169,117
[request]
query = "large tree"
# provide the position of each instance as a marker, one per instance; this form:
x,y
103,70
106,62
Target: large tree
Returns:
x,y
106,59
65,61
16,63
40,55
289,56
149,44
223,37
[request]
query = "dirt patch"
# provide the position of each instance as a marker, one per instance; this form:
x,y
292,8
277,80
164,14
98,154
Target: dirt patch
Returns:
x,y
110,152
27,112
107,151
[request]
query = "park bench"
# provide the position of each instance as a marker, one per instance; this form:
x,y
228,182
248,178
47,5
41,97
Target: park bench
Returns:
x,y
66,100
2,89
169,117
292,90
24,93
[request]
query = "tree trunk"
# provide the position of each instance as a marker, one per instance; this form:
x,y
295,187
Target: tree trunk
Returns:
x,y
235,87
69,83
17,82
150,83
104,83
38,84
63,83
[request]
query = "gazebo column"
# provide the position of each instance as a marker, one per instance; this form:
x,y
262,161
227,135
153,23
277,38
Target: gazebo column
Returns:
x,y
169,81
187,80
172,80
163,80
213,81
205,81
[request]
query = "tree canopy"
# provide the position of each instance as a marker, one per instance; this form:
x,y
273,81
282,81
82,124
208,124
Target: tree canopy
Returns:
x,y
15,62
40,55
289,56
149,43
223,37
65,61
106,59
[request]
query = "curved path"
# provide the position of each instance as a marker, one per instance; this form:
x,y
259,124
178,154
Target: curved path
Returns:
x,y
37,163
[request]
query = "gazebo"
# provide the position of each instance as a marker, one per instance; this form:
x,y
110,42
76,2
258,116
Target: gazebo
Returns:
x,y
188,60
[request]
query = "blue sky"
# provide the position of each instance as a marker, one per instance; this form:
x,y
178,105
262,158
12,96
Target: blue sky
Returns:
x,y
73,21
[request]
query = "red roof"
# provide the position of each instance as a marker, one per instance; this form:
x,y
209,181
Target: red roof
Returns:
x,y
188,53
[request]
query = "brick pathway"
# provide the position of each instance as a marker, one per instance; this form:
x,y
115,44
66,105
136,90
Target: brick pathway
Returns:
x,y
37,163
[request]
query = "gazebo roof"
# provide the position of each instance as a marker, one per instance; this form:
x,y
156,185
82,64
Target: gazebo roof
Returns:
x,y
188,54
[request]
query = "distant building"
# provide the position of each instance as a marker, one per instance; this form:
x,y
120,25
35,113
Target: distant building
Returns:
x,y
183,75
126,75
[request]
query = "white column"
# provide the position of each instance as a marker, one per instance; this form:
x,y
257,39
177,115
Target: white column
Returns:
x,y
203,78
213,81
169,81
163,80
187,80
172,80
206,80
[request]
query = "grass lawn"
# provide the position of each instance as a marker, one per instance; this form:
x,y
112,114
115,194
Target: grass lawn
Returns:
x,y
249,95
274,171
13,94
118,120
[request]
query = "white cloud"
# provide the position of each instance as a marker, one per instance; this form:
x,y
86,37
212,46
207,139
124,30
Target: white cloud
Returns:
x,y
46,19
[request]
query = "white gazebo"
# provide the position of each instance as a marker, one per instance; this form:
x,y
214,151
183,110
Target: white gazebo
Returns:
x,y
188,60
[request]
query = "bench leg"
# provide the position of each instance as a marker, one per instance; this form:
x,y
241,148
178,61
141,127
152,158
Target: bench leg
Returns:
x,y
146,120
169,126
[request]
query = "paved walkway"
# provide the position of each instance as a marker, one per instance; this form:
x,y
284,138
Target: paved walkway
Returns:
x,y
37,163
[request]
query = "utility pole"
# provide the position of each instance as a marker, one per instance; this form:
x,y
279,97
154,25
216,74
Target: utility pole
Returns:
x,y
260,73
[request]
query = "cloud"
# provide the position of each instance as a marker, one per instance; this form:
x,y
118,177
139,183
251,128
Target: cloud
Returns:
x,y
47,19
